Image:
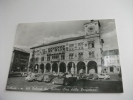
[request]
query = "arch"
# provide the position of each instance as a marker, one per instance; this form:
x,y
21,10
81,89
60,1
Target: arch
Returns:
x,y
42,68
81,67
36,67
48,67
70,65
55,67
92,67
62,67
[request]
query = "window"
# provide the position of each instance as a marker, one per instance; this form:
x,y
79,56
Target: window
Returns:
x,y
71,55
117,69
118,61
63,48
111,69
91,54
48,49
71,45
62,56
91,44
80,45
37,52
48,57
55,48
37,59
43,51
80,55
66,48
42,59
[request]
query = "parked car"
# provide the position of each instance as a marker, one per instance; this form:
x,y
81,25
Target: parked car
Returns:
x,y
40,77
103,76
31,77
60,74
92,76
48,77
64,80
81,76
68,75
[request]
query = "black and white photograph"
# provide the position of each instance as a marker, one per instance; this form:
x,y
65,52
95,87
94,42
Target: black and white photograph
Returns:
x,y
77,56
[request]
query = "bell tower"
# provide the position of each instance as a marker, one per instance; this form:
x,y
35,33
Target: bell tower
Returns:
x,y
93,48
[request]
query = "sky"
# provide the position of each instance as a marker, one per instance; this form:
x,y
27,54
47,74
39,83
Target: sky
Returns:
x,y
33,34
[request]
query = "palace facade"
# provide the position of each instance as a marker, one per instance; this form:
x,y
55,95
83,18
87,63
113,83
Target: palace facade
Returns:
x,y
74,55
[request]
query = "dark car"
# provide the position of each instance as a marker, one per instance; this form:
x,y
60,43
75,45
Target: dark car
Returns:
x,y
47,77
92,76
40,78
64,80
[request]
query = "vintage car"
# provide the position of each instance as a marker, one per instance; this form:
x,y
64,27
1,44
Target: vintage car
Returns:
x,y
64,80
47,77
40,77
92,76
103,76
60,74
31,77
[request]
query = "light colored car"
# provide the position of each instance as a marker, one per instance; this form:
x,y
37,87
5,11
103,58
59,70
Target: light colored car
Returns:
x,y
92,76
61,74
31,77
48,77
103,76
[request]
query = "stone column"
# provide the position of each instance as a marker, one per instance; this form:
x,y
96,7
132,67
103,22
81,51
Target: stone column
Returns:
x,y
51,69
66,69
44,69
75,69
58,69
86,69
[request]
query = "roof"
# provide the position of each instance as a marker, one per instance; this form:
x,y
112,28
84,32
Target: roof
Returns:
x,y
19,49
60,41
111,52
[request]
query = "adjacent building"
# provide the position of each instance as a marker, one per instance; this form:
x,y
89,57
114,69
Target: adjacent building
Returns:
x,y
74,55
19,61
111,61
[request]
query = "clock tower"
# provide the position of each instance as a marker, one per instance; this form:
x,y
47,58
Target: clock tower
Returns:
x,y
92,28
93,46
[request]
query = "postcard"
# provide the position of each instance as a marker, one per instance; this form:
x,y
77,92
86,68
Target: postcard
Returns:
x,y
79,56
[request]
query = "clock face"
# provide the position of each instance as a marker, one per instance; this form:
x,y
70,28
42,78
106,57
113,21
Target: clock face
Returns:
x,y
91,28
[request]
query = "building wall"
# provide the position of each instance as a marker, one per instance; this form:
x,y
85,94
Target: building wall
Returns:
x,y
112,63
20,61
79,46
